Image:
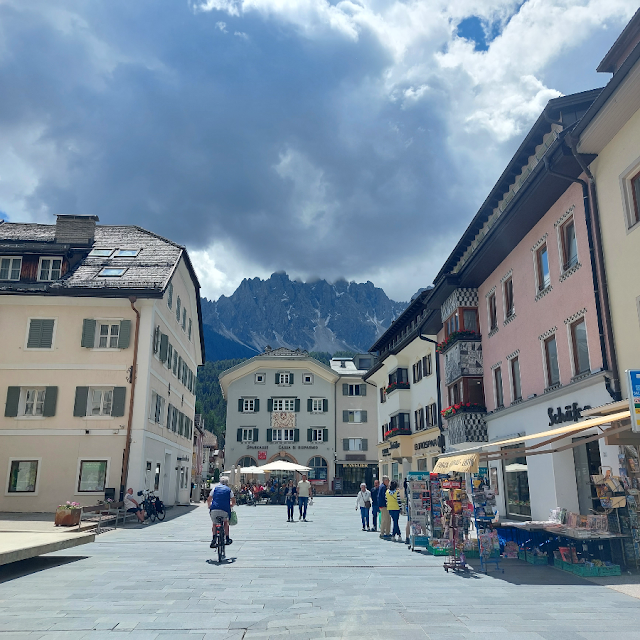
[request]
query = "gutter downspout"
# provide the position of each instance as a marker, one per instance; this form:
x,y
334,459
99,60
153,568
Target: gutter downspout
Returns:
x,y
592,257
437,359
134,366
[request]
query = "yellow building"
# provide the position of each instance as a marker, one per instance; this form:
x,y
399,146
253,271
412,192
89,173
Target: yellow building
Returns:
x,y
100,341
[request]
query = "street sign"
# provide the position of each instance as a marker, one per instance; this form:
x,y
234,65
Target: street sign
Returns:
x,y
633,378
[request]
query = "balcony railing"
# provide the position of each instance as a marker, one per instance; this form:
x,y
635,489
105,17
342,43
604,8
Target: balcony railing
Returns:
x,y
454,337
393,386
392,433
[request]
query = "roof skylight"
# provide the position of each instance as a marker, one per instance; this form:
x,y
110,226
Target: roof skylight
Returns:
x,y
112,272
127,253
101,253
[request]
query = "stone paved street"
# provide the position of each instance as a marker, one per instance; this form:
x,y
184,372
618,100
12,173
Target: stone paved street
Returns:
x,y
324,578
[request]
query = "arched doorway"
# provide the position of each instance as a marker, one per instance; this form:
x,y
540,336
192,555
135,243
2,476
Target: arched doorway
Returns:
x,y
319,470
247,461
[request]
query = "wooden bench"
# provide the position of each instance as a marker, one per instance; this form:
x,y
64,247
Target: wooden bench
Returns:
x,y
99,514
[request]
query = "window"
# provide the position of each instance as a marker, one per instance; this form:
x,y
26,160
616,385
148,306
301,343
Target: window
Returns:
x,y
248,405
33,402
307,378
516,391
385,470
400,421
551,357
127,253
178,308
395,475
419,419
260,378
175,363
184,319
108,336
354,416
422,464
493,312
364,363
516,480
169,356
452,324
100,402
49,269
417,371
283,404
355,444
317,435
156,410
432,415
399,376
634,212
190,328
354,389
247,434
509,308
23,476
112,272
427,365
156,479
283,435
284,378
170,295
318,470
383,396
247,461
497,379
569,244
470,320
542,268
100,253
455,393
10,268
579,347
40,333
317,405
93,476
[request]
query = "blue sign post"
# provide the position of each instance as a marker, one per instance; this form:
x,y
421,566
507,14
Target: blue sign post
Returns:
x,y
633,378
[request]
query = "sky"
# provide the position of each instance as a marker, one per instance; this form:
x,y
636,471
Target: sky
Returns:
x,y
351,139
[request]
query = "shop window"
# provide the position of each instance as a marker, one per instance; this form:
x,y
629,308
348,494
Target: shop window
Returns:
x,y
568,244
92,476
516,482
516,390
23,476
319,469
551,361
580,347
509,307
542,268
497,379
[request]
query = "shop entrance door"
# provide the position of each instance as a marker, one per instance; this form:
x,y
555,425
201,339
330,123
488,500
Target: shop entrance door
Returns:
x,y
587,462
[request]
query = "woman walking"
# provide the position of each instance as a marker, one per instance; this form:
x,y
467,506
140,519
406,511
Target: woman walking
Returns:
x,y
393,505
290,497
363,501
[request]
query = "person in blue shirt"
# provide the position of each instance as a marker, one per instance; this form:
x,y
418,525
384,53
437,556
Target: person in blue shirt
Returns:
x,y
375,509
220,501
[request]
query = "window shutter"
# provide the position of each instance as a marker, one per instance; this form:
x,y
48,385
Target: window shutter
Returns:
x,y
309,435
240,404
269,435
291,378
325,435
125,334
256,405
345,416
47,334
325,405
169,412
297,409
40,334
88,333
80,404
345,389
119,393
296,435
255,435
365,444
11,406
309,405
345,444
277,378
239,435
363,389
270,405
363,416
50,401
164,345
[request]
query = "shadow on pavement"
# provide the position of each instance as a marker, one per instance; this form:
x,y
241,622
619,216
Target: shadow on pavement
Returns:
x,y
26,567
225,561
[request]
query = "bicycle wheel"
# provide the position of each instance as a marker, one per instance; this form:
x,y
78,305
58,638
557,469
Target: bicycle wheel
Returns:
x,y
161,514
221,542
152,514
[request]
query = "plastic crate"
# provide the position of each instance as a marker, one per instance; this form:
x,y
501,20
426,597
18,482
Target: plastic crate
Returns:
x,y
436,551
561,564
613,570
421,541
542,560
471,553
522,555
584,570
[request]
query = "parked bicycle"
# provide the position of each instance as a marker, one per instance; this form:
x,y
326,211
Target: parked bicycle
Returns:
x,y
152,506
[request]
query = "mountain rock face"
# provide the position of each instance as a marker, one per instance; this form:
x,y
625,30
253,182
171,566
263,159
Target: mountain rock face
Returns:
x,y
316,316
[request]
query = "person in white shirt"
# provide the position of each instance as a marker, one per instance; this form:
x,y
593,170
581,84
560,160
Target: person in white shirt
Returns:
x,y
363,501
304,491
132,506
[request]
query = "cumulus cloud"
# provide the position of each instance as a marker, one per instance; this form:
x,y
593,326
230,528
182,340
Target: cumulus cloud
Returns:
x,y
330,138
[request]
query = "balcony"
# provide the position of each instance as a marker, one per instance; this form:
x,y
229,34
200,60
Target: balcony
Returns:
x,y
455,337
392,433
467,426
463,358
393,386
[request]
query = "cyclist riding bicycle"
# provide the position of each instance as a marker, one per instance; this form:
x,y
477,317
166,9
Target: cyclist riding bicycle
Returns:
x,y
220,501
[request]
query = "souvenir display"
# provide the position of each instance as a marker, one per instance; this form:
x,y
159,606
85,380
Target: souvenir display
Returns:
x,y
485,512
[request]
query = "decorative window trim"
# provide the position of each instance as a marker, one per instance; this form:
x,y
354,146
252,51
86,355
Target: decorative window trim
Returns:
x,y
492,290
258,381
547,334
576,316
509,319
513,355
543,293
540,242
493,332
305,376
564,216
570,271
496,365
506,276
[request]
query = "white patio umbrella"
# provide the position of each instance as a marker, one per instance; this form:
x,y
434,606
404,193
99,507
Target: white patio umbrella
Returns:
x,y
251,469
283,465
516,466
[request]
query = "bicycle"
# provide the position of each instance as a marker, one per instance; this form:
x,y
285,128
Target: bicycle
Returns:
x,y
220,538
152,506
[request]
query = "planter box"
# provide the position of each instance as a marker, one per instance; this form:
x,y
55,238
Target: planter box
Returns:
x,y
531,559
68,517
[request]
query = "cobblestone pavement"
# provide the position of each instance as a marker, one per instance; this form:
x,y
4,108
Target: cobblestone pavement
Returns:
x,y
321,579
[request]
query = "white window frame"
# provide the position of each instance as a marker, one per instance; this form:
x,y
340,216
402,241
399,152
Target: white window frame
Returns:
x,y
317,405
247,434
354,412
23,402
51,269
36,459
353,388
355,444
317,434
111,322
248,405
282,435
560,233
53,336
100,416
110,272
158,404
119,252
282,382
77,491
94,253
263,377
543,245
284,404
11,269
307,378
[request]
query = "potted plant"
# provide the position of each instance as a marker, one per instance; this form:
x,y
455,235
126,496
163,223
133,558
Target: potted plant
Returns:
x,y
68,515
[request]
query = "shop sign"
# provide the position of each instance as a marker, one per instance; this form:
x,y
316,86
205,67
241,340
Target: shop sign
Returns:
x,y
307,446
571,414
633,378
426,444
257,446
386,452
394,445
262,455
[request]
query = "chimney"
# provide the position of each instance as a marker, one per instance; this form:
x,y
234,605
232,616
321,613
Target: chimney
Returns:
x,y
75,230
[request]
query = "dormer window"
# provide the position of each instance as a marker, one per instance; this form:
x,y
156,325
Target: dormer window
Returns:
x,y
111,272
49,269
100,253
126,253
10,268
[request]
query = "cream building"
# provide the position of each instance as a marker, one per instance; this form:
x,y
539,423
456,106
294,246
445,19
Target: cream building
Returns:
x,y
100,340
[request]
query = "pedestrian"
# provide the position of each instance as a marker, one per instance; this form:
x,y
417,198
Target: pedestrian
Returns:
x,y
290,498
363,500
393,506
408,527
133,506
304,491
374,504
385,519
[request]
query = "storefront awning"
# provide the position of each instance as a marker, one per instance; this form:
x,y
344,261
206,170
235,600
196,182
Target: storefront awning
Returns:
x,y
464,464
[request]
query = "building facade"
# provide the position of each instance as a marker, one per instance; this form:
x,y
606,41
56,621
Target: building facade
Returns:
x,y
101,340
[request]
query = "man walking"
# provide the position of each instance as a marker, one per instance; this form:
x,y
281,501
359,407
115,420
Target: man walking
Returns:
x,y
374,503
385,525
304,491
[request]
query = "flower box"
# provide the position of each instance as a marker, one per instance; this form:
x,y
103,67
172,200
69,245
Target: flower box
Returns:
x,y
397,385
67,517
454,337
397,432
466,407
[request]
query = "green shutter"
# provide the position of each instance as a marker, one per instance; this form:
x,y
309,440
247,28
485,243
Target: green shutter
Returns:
x,y
363,416
256,405
345,416
309,405
40,334
125,334
119,394
296,435
80,404
164,345
325,405
363,389
255,435
50,401
309,435
365,444
270,405
297,409
277,378
240,404
345,389
11,406
239,435
291,378
325,435
269,435
345,444
88,333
